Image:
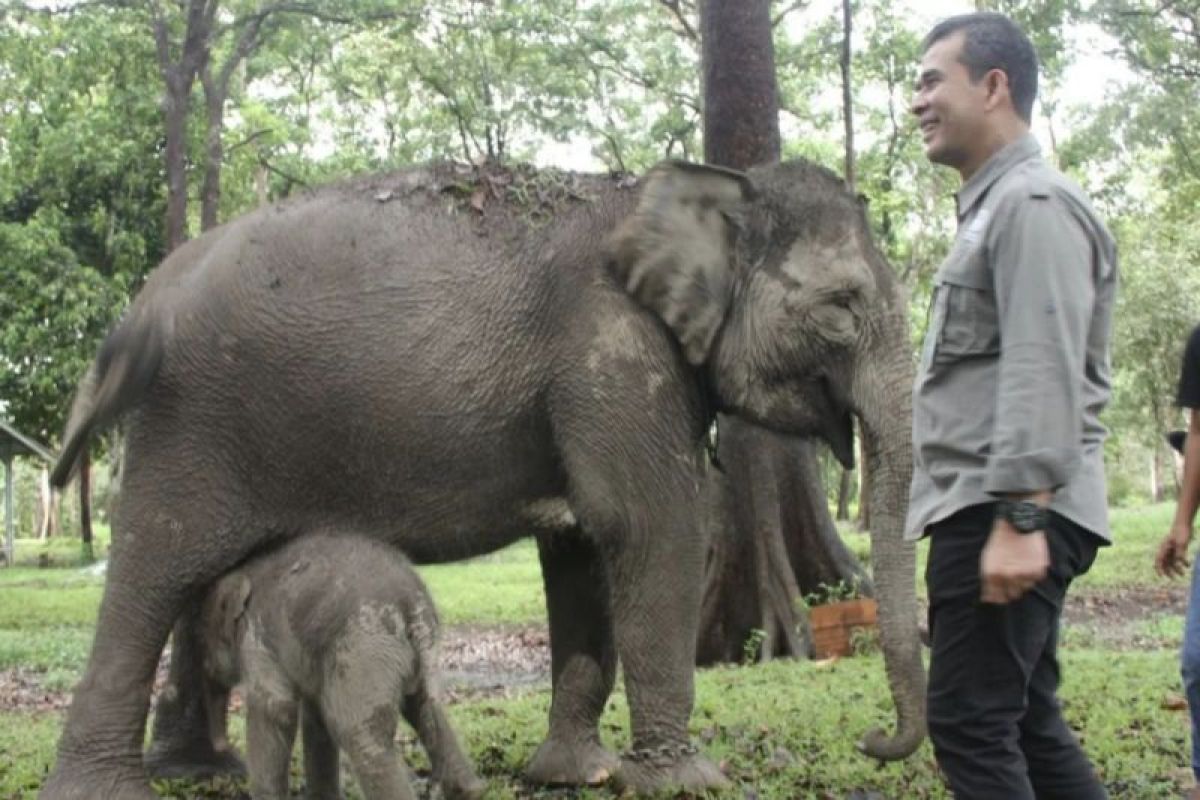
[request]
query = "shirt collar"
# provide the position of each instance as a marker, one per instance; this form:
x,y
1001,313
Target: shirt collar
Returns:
x,y
1004,159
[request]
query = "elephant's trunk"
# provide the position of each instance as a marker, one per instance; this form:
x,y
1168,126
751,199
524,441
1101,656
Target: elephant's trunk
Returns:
x,y
883,391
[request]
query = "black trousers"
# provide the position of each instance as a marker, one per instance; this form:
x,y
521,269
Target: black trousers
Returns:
x,y
994,717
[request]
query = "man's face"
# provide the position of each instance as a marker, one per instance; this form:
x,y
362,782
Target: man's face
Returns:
x,y
950,108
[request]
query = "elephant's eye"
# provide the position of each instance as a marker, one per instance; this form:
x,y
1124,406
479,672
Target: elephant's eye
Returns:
x,y
842,300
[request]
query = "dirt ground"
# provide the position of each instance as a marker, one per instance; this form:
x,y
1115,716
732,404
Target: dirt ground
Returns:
x,y
497,661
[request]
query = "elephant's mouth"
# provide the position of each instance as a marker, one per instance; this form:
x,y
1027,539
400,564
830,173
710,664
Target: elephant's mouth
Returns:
x,y
838,430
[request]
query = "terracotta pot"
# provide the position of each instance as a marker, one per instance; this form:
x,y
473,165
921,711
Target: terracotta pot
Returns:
x,y
834,623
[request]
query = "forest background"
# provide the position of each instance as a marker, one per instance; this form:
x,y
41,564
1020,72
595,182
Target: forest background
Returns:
x,y
127,126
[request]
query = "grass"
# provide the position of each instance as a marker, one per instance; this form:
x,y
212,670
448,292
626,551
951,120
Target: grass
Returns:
x,y
782,730
60,551
1137,533
504,587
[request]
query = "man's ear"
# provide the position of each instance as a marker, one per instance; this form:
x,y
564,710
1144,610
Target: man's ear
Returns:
x,y
997,88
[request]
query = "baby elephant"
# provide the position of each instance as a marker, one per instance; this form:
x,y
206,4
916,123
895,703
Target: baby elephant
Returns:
x,y
338,632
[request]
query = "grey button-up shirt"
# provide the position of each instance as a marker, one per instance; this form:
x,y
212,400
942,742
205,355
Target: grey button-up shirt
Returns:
x,y
1015,367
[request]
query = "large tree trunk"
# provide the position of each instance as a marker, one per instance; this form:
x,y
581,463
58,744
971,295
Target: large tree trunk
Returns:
x,y
741,98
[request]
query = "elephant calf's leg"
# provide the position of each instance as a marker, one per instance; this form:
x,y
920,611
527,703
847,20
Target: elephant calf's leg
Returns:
x,y
270,734
583,662
451,768
322,770
370,745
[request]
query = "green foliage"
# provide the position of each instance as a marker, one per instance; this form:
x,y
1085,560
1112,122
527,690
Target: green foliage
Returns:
x,y
79,134
53,313
752,647
826,594
354,86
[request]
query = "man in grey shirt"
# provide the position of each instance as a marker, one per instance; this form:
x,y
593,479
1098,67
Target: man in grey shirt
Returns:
x,y
1008,475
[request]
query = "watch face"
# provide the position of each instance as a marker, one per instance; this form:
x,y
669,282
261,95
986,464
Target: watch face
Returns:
x,y
1025,517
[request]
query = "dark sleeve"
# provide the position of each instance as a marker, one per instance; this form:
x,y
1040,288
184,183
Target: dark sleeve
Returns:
x,y
1189,375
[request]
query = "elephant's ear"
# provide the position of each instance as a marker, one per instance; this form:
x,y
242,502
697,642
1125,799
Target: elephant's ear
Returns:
x,y
674,253
233,601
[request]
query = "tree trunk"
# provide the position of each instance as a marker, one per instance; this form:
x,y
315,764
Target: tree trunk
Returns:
x,y
843,496
85,508
261,186
52,517
1156,482
9,534
214,154
42,516
741,98
178,71
864,487
175,163
847,94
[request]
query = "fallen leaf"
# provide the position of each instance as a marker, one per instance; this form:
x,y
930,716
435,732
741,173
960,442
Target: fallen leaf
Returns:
x,y
1174,702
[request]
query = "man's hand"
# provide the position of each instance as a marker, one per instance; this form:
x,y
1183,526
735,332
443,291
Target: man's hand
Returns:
x,y
1012,563
1171,560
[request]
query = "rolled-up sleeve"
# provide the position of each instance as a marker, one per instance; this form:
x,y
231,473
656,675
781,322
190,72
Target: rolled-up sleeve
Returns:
x,y
1042,272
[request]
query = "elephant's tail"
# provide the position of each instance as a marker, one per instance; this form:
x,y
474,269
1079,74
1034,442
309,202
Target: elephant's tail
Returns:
x,y
125,366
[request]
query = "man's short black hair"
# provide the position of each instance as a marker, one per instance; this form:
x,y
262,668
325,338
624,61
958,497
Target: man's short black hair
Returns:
x,y
993,41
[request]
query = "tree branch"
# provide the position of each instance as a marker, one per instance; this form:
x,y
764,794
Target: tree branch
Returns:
x,y
796,5
249,139
676,9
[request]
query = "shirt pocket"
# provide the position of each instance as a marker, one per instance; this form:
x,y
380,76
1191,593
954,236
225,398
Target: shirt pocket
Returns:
x,y
969,320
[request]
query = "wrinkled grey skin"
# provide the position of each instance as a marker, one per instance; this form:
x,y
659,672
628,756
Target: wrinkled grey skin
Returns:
x,y
381,356
340,632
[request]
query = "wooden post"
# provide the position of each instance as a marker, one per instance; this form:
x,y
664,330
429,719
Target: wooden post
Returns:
x,y
9,544
85,508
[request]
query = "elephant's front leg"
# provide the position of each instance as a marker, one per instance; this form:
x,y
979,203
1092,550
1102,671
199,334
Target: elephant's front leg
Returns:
x,y
644,514
657,585
583,662
189,739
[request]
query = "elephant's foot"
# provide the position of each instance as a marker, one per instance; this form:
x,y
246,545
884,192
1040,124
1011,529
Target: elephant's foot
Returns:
x,y
468,789
196,759
564,762
86,784
668,768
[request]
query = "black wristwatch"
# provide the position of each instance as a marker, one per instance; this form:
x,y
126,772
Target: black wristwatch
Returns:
x,y
1024,516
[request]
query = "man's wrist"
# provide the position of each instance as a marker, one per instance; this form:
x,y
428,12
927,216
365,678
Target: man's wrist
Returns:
x,y
1024,516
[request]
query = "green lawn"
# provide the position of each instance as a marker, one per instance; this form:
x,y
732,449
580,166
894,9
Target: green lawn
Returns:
x,y
785,730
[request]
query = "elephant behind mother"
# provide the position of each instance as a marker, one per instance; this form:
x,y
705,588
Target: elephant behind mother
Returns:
x,y
450,358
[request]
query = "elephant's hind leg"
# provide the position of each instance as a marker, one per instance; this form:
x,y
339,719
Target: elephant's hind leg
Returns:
x,y
189,737
583,662
100,749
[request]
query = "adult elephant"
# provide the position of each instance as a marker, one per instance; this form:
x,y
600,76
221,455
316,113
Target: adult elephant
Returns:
x,y
449,358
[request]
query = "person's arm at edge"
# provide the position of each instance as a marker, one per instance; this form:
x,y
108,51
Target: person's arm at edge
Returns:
x,y
1171,559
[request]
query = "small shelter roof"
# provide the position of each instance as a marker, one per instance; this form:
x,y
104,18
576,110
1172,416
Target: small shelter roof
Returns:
x,y
15,443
